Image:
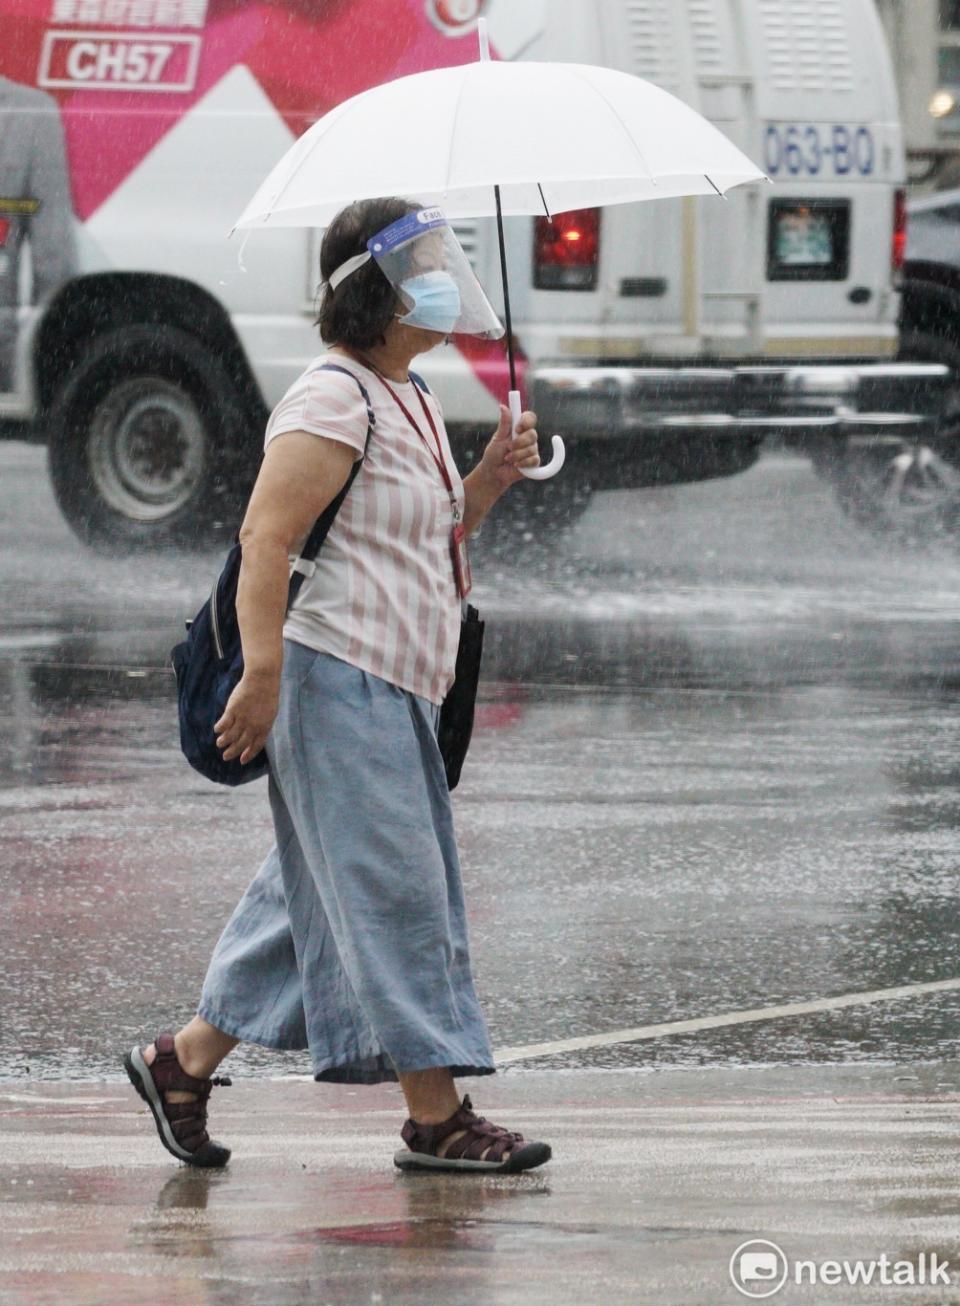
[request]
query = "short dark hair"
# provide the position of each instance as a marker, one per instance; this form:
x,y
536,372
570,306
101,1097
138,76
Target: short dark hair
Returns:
x,y
359,311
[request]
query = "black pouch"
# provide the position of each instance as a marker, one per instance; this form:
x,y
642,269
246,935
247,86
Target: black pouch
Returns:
x,y
456,713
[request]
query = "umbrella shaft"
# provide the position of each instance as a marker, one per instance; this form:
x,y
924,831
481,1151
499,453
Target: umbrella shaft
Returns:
x,y
506,291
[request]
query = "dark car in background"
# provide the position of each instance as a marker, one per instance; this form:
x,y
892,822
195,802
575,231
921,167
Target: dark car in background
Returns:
x,y
905,482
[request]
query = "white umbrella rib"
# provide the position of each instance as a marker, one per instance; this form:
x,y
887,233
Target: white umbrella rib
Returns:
x,y
346,107
453,130
626,130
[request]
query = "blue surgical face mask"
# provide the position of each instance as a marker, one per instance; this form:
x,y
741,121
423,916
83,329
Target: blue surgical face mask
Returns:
x,y
436,301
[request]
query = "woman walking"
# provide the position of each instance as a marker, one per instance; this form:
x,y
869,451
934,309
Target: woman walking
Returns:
x,y
351,939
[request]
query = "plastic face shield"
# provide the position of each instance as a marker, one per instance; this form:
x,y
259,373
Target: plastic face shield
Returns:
x,y
425,263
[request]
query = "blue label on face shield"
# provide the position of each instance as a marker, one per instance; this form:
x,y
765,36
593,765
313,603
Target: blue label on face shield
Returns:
x,y
404,229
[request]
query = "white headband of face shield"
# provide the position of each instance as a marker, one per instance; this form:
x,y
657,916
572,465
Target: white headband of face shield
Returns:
x,y
351,265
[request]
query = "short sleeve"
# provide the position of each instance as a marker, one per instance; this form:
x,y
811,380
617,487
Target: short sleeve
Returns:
x,y
323,403
436,403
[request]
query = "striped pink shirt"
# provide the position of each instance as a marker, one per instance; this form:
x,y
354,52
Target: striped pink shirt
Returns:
x,y
383,596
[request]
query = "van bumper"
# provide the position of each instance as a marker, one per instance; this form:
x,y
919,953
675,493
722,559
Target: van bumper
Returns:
x,y
806,404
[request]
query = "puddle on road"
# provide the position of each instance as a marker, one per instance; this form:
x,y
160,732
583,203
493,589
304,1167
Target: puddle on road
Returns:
x,y
479,1235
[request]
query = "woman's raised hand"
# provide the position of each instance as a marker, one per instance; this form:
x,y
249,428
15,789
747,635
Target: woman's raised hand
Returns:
x,y
508,452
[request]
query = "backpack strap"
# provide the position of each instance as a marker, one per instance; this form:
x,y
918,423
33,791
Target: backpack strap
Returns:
x,y
304,565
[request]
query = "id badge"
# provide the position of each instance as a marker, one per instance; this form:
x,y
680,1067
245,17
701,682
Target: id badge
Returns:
x,y
461,563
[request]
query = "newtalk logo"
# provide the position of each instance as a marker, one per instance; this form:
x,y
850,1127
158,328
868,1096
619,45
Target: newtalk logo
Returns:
x,y
759,1268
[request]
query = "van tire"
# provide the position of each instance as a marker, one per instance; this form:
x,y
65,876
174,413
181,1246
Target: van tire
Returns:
x,y
921,505
146,442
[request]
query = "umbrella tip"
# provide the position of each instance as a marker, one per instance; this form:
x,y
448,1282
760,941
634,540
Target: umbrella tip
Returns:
x,y
484,40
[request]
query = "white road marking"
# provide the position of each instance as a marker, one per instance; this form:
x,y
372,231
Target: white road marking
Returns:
x,y
635,1035
641,1032
35,1099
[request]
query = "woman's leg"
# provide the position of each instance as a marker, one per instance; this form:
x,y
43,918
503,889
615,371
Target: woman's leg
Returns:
x,y
255,949
431,1094
432,1099
386,982
200,1047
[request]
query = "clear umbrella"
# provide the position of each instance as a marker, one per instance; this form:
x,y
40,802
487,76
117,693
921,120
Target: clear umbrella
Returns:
x,y
495,138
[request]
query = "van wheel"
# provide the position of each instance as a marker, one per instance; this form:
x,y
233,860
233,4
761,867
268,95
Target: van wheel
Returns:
x,y
146,441
910,493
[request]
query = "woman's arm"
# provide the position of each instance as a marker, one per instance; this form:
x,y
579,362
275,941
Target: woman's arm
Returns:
x,y
300,476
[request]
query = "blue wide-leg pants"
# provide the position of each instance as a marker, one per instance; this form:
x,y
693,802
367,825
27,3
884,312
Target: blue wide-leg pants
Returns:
x,y
351,939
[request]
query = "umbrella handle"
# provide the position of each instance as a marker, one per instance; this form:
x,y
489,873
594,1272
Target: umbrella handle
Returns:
x,y
559,451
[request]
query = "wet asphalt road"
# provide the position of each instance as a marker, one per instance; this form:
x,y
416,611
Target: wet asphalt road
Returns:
x,y
656,1180
716,768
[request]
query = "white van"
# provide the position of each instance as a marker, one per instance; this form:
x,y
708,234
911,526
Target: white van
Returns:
x,y
664,342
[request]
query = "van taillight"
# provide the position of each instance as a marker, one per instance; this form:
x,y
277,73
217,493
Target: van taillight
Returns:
x,y
566,250
899,230
4,231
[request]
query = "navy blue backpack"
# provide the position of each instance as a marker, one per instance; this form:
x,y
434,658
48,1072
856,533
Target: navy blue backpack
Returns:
x,y
209,663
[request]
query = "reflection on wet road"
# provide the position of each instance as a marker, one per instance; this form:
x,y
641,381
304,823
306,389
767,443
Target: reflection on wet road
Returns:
x,y
716,768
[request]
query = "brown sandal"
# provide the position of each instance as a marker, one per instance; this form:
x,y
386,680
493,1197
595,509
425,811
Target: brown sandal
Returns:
x,y
182,1126
481,1140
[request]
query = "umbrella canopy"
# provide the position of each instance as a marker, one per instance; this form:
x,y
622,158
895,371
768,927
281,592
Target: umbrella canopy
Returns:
x,y
551,136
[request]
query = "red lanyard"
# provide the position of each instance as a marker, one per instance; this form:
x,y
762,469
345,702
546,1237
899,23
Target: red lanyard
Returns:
x,y
458,547
438,456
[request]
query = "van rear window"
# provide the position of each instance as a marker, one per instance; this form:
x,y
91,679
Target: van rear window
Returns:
x,y
808,240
